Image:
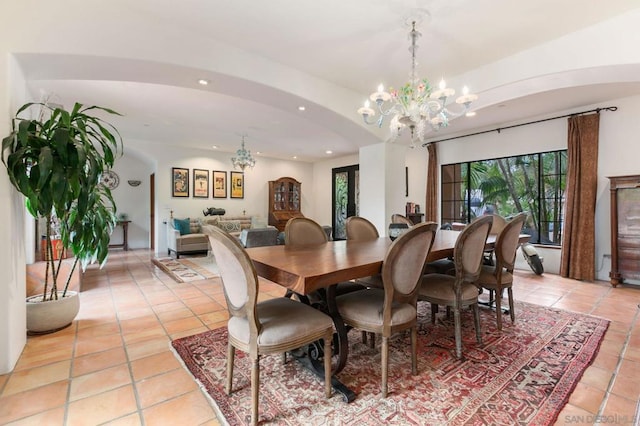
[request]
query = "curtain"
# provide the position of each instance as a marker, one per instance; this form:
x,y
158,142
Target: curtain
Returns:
x,y
578,239
431,205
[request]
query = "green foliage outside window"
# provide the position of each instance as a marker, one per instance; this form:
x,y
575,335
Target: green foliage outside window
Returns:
x,y
532,183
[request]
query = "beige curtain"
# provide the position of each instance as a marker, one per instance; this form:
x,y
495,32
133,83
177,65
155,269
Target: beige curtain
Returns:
x,y
431,204
578,240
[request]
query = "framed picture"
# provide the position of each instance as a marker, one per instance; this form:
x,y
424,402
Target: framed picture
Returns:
x,y
180,182
237,184
200,183
219,184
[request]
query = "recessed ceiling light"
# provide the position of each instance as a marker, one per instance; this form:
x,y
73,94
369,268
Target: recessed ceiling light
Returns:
x,y
203,82
301,108
214,146
295,157
328,151
258,152
470,114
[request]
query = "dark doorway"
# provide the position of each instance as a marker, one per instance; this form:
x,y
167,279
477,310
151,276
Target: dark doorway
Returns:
x,y
345,189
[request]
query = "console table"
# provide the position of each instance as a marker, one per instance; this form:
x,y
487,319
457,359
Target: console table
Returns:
x,y
125,230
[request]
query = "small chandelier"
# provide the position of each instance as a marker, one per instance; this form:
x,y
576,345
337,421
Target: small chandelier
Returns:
x,y
243,158
415,105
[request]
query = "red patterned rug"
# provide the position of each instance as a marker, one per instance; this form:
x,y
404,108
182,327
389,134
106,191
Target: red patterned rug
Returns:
x,y
523,375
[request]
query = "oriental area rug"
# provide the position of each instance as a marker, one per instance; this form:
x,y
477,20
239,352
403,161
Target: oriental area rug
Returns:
x,y
522,375
188,269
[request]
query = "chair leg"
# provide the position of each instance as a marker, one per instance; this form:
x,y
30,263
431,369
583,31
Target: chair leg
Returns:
x,y
327,365
372,340
414,350
364,337
385,364
434,311
476,320
231,353
458,331
255,388
512,313
499,309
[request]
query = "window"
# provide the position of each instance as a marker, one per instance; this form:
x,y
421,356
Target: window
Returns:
x,y
532,183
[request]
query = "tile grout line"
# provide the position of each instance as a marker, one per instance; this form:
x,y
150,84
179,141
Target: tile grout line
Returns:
x,y
625,346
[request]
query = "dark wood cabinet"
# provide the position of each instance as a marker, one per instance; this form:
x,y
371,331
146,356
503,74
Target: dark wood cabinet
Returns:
x,y
284,201
625,228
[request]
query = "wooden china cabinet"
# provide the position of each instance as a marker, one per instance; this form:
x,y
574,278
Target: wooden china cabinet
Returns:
x,y
625,228
284,201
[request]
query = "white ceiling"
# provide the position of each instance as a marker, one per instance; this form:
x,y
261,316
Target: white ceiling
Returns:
x,y
346,46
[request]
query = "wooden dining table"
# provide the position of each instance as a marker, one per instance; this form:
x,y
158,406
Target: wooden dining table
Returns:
x,y
316,269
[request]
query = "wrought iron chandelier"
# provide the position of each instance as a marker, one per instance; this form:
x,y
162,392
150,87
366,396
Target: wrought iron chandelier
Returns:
x,y
415,105
243,158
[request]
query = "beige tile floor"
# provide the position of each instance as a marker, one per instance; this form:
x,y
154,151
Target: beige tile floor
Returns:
x,y
114,365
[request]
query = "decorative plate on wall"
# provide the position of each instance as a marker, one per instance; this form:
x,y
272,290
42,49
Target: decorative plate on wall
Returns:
x,y
110,179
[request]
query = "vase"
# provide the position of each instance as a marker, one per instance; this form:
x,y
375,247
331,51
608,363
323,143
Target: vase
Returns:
x,y
397,229
52,315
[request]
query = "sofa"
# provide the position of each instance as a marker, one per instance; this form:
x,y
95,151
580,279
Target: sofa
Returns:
x,y
184,235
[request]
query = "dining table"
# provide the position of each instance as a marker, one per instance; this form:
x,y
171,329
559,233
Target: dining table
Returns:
x,y
317,269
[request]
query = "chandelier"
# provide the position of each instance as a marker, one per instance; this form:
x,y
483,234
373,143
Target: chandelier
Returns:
x,y
415,105
243,158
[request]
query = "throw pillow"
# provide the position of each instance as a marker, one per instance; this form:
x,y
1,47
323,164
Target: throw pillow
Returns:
x,y
212,220
229,225
182,225
257,222
194,226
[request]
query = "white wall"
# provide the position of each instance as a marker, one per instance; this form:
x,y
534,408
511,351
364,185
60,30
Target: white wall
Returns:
x,y
256,181
134,201
13,324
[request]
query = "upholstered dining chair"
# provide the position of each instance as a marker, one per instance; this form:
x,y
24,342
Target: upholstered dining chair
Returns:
x,y
304,231
393,308
272,326
497,226
461,290
360,229
500,276
300,231
398,218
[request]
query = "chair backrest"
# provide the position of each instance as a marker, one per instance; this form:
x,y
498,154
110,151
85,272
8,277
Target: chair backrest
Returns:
x,y
507,243
303,231
469,248
361,229
498,225
404,262
398,218
238,275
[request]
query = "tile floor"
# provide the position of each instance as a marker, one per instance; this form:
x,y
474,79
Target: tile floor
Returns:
x,y
114,365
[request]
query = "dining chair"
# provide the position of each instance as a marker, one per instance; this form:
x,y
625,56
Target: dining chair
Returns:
x,y
360,229
300,231
497,226
392,309
272,326
398,218
500,276
461,290
304,231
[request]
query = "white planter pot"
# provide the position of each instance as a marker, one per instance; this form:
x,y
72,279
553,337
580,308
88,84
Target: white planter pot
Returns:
x,y
54,315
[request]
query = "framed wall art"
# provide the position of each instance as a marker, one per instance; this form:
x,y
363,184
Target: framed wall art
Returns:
x,y
237,184
179,182
219,184
200,183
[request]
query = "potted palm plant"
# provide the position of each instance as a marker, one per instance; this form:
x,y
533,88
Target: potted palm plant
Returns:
x,y
56,161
